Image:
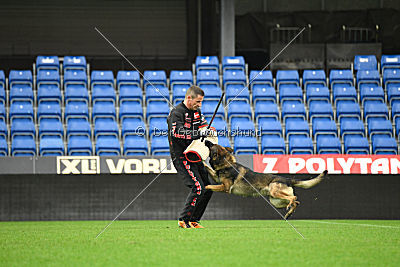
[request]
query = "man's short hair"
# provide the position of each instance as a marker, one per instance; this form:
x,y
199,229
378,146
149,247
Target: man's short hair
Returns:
x,y
194,91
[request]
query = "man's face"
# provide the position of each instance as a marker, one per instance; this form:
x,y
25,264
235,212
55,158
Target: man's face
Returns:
x,y
194,103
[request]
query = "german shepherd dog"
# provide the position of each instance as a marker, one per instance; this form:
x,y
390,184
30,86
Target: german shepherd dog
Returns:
x,y
234,178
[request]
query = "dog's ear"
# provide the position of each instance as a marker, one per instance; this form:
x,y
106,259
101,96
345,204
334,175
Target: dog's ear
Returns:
x,y
208,144
230,150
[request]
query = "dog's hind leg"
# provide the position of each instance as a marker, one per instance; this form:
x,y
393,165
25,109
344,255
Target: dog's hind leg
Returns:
x,y
282,191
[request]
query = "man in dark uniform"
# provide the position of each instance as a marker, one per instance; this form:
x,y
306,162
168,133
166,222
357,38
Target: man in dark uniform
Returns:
x,y
184,122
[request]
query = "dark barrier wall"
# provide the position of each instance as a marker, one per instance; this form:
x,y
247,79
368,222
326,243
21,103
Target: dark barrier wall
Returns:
x,y
102,197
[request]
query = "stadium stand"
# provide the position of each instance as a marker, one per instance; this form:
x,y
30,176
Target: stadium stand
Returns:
x,y
57,109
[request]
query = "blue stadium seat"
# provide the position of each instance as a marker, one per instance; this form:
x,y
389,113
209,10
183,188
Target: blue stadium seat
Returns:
x,y
320,110
208,108
76,92
130,109
384,145
75,76
128,86
265,109
20,77
242,126
180,77
103,92
128,77
322,127
74,63
368,77
49,110
102,86
3,114
235,63
154,77
341,76
393,94
76,109
108,145
3,129
179,92
207,77
78,126
272,145
348,110
158,126
239,109
390,61
220,126
157,92
270,126
207,63
237,92
132,126
157,109
296,127
263,92
245,145
356,145
22,127
211,92
379,128
105,126
104,110
315,77
23,145
48,77
51,146
234,77
391,76
49,92
371,92
3,147
344,92
300,145
21,92
51,126
79,145
350,127
315,92
365,62
329,145
395,110
2,87
224,141
159,145
290,93
287,77
21,109
293,110
135,145
261,78
373,109
47,63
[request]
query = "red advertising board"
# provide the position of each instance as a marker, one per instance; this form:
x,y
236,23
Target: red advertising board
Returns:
x,y
335,164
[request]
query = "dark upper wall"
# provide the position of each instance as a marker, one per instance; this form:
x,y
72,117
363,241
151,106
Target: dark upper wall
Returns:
x,y
246,6
139,28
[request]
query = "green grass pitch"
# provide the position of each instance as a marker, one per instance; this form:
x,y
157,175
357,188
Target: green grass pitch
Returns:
x,y
222,243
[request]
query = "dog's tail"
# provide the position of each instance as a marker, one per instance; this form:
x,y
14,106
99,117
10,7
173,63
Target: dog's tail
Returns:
x,y
310,183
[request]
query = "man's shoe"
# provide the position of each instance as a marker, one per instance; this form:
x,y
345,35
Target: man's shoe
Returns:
x,y
183,224
195,225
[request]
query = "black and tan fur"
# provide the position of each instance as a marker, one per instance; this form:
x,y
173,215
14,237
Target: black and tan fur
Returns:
x,y
234,178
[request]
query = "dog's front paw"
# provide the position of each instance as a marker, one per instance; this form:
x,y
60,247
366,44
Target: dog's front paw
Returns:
x,y
207,187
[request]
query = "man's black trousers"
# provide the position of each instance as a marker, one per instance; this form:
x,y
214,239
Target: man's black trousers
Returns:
x,y
195,177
